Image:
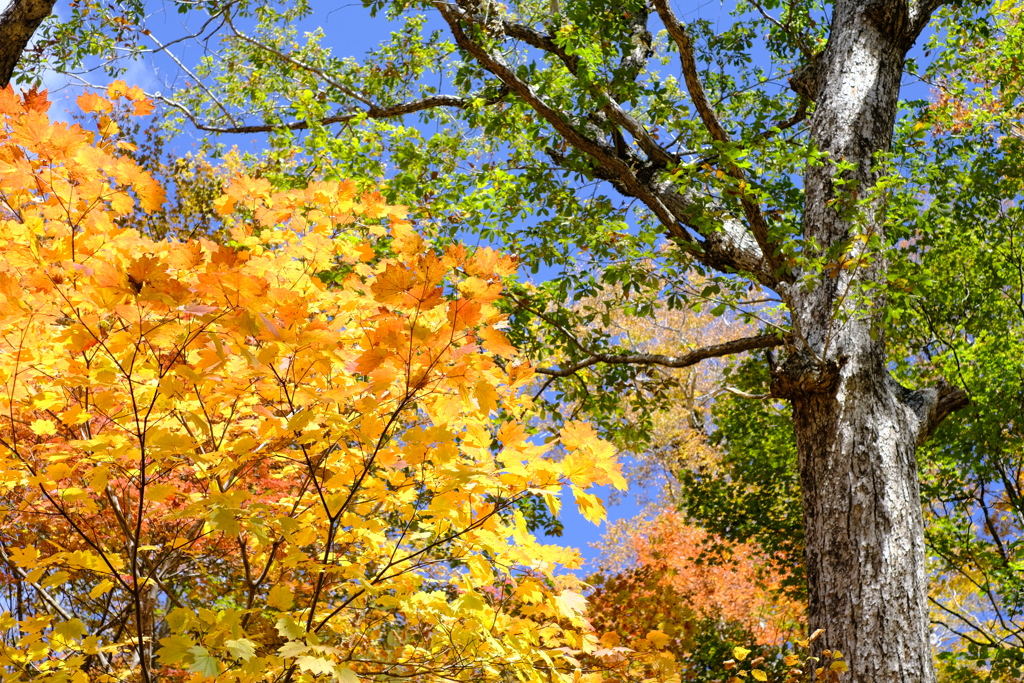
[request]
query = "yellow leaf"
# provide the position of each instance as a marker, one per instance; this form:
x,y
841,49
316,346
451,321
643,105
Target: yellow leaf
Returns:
x,y
158,493
44,427
24,557
175,649
740,653
224,204
315,665
486,396
70,629
101,588
838,666
497,343
280,597
658,639
571,604
590,506
55,579
346,675
759,675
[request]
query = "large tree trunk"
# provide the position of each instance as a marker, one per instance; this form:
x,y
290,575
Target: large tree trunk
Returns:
x,y
857,429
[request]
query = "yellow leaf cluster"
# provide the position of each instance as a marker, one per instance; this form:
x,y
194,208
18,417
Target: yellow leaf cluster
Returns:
x,y
219,462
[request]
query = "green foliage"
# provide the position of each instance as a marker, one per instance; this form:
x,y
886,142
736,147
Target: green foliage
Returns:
x,y
753,494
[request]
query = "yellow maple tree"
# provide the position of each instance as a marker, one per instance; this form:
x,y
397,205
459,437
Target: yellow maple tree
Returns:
x,y
214,464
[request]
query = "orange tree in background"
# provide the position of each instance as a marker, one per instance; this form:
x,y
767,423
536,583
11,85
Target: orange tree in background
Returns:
x,y
707,595
214,464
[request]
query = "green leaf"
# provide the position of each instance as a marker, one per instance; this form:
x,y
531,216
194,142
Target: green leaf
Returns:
x,y
203,662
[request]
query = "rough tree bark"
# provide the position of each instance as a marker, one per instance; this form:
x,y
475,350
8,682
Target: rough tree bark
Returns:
x,y
857,429
17,24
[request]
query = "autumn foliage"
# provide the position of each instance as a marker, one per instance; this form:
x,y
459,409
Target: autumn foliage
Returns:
x,y
733,583
215,464
708,596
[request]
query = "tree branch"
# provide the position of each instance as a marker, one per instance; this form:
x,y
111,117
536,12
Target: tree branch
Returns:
x,y
373,112
921,12
613,110
751,210
934,404
683,361
727,245
599,151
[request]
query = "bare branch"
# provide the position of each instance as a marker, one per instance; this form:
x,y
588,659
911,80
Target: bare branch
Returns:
x,y
743,394
374,112
683,361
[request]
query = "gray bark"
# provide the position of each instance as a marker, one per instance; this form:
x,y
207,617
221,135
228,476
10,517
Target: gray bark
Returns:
x,y
856,428
17,24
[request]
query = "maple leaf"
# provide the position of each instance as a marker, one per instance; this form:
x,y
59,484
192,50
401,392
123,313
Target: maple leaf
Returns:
x,y
315,665
241,648
395,281
44,427
496,342
174,649
203,662
90,103
571,604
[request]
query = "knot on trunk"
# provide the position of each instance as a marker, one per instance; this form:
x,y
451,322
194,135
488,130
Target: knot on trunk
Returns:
x,y
890,19
801,374
933,405
806,80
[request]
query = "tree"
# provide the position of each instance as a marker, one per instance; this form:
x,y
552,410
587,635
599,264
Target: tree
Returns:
x,y
706,594
569,94
277,460
18,23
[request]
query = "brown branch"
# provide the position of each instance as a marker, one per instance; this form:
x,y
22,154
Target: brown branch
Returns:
x,y
600,152
751,210
764,341
374,112
688,62
935,404
950,399
798,116
613,110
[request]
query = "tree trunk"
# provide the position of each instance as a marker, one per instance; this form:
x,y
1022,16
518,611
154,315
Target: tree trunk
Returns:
x,y
17,24
856,428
